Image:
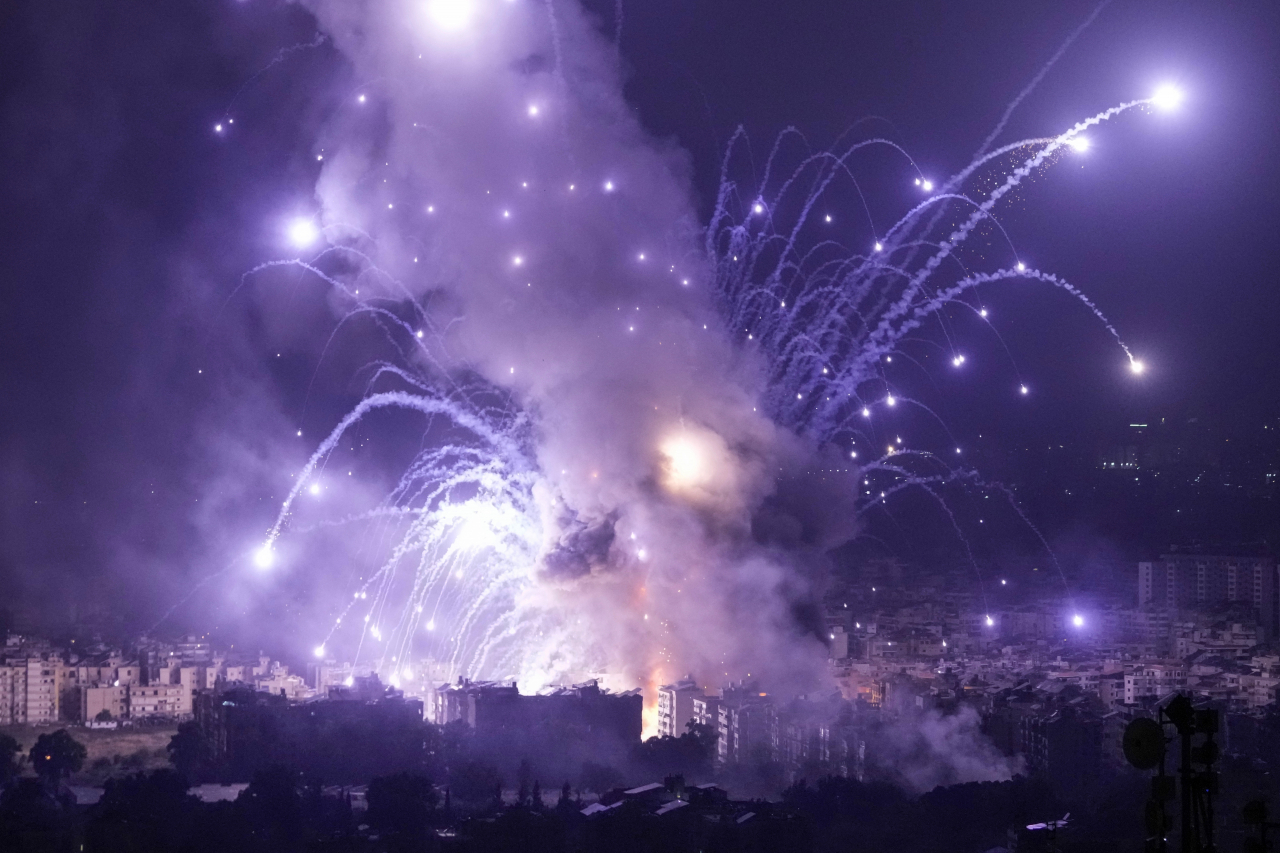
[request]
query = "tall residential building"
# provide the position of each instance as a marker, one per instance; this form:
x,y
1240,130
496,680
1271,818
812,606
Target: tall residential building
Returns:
x,y
1189,580
42,691
675,706
13,693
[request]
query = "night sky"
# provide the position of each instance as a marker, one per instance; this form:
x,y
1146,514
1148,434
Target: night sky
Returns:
x,y
150,405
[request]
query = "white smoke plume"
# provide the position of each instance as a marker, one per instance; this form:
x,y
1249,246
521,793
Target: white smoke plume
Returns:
x,y
490,172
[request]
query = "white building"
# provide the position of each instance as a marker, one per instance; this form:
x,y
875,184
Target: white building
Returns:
x,y
675,706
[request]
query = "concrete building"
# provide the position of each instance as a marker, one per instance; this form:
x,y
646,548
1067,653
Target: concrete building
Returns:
x,y
13,694
748,729
839,640
156,700
1152,680
95,700
675,706
1182,581
492,709
42,691
706,711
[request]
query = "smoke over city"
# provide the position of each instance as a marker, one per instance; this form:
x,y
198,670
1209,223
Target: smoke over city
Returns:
x,y
533,259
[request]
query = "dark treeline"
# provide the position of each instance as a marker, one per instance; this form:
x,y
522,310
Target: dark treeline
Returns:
x,y
281,811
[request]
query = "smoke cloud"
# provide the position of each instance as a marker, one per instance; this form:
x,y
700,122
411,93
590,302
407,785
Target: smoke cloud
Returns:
x,y
490,169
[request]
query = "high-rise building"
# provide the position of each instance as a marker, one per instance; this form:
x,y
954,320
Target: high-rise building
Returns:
x,y
675,706
1190,580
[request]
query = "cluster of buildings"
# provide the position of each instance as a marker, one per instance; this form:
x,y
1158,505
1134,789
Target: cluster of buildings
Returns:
x,y
102,686
1053,684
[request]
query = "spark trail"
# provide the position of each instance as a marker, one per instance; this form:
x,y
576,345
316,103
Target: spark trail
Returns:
x,y
592,512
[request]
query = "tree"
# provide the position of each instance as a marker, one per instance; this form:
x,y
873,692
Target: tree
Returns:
x,y
56,756
600,777
401,804
144,812
103,716
474,781
187,751
272,805
9,750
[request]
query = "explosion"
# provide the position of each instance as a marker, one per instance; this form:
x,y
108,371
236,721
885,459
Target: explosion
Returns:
x,y
610,400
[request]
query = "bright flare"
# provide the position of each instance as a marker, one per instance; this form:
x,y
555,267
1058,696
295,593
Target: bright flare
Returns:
x,y
303,232
1167,97
1136,366
264,557
686,462
1079,144
1077,620
451,15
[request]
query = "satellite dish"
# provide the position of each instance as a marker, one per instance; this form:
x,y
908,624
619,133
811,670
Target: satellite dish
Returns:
x,y
1143,743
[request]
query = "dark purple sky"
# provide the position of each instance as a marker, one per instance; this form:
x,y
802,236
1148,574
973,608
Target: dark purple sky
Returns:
x,y
128,223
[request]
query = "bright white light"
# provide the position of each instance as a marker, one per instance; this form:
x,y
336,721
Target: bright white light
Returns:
x,y
517,260
406,674
687,463
608,186
1023,389
264,557
361,99
451,15
990,622
853,455
866,413
957,361
1136,366
533,110
472,536
828,217
419,333
319,651
879,246
1079,144
758,208
1022,267
314,489
217,128
350,681
1167,97
927,186
891,400
303,232
431,625
1077,620
982,313
1003,582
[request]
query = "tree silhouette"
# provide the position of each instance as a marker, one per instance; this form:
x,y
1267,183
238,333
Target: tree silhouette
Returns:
x,y
187,751
401,804
9,749
56,756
